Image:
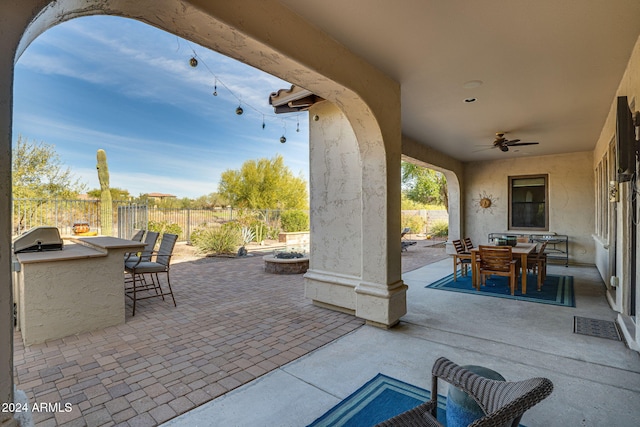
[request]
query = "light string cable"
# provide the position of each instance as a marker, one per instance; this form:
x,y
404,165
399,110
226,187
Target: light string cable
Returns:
x,y
198,60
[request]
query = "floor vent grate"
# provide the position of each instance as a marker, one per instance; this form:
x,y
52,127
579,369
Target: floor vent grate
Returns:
x,y
596,328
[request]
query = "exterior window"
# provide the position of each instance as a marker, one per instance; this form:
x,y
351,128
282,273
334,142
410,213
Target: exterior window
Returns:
x,y
528,207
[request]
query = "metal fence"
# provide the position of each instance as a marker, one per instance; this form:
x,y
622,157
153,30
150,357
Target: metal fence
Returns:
x,y
63,214
184,221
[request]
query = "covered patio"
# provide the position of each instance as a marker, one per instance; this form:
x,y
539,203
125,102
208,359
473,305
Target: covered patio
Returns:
x,y
548,73
596,380
249,339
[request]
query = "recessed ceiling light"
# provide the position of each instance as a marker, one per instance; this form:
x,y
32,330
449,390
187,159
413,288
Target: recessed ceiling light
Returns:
x,y
471,84
470,100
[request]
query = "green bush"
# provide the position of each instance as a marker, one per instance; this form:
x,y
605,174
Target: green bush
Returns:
x,y
414,222
293,221
272,233
259,229
440,228
165,227
217,240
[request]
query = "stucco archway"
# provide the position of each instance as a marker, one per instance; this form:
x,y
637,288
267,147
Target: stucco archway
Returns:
x,y
270,37
453,170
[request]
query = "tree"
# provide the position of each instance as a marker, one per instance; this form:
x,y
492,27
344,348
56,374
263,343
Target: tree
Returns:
x,y
264,184
211,200
423,185
116,193
38,173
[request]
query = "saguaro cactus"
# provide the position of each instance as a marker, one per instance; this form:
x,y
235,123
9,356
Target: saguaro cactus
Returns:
x,y
106,213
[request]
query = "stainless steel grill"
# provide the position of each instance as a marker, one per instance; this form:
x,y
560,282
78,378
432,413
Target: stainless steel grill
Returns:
x,y
38,239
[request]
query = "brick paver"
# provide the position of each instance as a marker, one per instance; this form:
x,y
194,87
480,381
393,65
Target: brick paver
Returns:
x,y
233,323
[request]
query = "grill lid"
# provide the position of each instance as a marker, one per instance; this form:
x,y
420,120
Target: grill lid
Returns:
x,y
38,239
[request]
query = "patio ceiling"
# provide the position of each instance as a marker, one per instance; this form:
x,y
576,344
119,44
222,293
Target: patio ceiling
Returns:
x,y
549,69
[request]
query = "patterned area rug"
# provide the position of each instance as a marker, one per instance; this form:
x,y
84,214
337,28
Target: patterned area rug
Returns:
x,y
379,399
556,290
596,328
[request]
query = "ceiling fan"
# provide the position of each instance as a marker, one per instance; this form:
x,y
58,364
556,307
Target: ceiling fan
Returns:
x,y
503,143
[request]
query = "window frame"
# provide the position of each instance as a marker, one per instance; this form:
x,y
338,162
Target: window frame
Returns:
x,y
546,202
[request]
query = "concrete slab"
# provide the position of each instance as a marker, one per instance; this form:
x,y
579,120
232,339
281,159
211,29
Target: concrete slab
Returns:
x,y
597,381
277,399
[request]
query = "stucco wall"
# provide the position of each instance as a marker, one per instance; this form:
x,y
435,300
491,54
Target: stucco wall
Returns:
x,y
571,198
629,87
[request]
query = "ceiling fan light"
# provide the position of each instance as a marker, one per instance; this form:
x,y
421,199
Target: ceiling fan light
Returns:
x,y
504,148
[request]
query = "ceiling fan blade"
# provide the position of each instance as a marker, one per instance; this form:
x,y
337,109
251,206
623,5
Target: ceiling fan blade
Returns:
x,y
522,143
511,141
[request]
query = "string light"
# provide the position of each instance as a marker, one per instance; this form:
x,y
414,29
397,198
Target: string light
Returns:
x,y
195,60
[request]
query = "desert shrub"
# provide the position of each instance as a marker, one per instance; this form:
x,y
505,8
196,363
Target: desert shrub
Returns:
x,y
217,240
259,229
414,222
294,221
165,227
440,228
272,233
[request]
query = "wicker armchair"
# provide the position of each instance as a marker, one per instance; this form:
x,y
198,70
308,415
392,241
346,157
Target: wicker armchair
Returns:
x,y
501,401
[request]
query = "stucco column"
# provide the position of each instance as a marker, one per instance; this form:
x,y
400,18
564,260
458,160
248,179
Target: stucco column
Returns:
x,y
355,219
381,294
335,210
9,36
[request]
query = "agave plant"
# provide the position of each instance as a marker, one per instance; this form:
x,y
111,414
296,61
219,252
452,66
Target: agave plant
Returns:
x,y
247,235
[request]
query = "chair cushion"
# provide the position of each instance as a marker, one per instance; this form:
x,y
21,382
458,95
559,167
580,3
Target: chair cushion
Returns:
x,y
145,267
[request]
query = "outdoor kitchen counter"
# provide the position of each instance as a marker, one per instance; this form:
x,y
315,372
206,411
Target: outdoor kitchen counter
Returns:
x,y
77,289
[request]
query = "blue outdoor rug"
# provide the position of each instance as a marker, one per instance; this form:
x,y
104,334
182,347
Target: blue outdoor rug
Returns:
x,y
556,290
379,399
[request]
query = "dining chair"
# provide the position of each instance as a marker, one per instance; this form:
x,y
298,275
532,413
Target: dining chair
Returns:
x,y
461,258
137,236
498,260
468,244
502,402
537,264
150,264
150,240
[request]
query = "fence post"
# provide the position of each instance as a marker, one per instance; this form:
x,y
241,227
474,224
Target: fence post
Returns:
x,y
188,236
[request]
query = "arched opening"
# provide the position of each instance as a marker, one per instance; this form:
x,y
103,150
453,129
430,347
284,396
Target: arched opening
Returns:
x,y
261,37
454,209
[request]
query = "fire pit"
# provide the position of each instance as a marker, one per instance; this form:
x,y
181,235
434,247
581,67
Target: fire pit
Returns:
x,y
286,263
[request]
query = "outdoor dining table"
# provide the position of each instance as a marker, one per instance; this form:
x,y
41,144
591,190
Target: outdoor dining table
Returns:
x,y
521,249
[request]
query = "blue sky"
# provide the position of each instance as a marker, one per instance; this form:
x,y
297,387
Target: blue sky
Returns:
x,y
126,87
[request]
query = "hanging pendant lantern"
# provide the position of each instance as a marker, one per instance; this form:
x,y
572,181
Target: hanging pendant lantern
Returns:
x,y
283,139
239,110
193,62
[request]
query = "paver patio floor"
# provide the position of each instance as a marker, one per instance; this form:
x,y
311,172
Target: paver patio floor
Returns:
x,y
233,323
